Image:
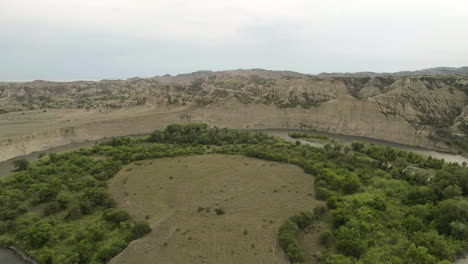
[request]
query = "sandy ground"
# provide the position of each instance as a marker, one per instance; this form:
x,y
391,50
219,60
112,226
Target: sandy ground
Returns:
x,y
20,123
174,194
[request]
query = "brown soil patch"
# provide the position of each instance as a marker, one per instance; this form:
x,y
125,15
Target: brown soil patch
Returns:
x,y
174,194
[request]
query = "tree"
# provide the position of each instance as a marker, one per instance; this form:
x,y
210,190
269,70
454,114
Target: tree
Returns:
x,y
38,235
156,136
322,193
346,149
449,211
451,191
21,164
419,255
332,202
351,184
115,215
357,146
327,238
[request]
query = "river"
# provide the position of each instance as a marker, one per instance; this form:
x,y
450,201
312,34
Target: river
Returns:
x,y
8,257
347,140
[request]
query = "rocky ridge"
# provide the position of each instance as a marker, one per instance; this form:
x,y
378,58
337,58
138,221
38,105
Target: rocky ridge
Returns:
x,y
427,111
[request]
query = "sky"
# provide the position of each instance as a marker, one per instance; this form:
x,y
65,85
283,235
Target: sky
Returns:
x,y
119,39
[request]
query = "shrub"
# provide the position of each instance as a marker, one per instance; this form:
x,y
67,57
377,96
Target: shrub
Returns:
x,y
322,193
351,184
140,229
327,238
332,202
110,250
115,215
21,164
303,219
287,237
319,211
357,146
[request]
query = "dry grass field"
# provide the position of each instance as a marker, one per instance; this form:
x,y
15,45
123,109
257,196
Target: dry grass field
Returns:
x,y
179,198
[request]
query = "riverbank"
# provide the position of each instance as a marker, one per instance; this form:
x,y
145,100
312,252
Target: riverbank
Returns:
x,y
7,166
13,255
347,140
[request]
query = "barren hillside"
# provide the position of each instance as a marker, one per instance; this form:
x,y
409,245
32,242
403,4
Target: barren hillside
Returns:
x,y
426,111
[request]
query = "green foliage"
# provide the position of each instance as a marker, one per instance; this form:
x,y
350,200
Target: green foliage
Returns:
x,y
322,193
303,219
199,133
332,202
327,238
385,205
287,237
115,216
351,184
21,164
452,216
288,232
140,229
219,211
357,146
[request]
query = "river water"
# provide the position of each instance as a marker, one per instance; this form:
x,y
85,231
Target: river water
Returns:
x,y
347,140
8,257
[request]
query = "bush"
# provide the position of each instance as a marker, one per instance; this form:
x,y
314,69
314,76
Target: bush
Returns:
x,y
219,211
287,235
332,202
351,184
140,229
108,251
21,164
327,238
357,146
319,211
287,238
303,219
115,215
322,193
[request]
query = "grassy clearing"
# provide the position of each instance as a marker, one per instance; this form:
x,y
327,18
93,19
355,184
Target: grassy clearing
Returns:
x,y
210,208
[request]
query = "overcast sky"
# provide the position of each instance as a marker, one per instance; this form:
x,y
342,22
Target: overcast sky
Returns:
x,y
117,39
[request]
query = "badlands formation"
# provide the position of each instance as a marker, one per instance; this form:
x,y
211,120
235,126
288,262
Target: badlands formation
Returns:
x,y
429,111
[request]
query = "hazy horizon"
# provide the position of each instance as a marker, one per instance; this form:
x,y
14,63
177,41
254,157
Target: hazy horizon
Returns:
x,y
175,74
103,39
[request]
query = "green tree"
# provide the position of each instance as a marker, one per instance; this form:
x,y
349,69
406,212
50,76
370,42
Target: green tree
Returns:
x,y
21,164
419,255
451,191
449,211
351,184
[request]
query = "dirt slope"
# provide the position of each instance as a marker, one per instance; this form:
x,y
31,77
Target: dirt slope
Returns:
x,y
425,111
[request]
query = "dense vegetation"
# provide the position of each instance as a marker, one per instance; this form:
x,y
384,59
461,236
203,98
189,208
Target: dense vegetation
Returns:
x,y
311,136
384,205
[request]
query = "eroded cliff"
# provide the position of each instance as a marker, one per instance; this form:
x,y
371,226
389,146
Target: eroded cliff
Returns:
x,y
425,111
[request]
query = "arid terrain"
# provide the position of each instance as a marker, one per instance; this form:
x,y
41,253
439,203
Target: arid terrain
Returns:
x,y
426,111
179,198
